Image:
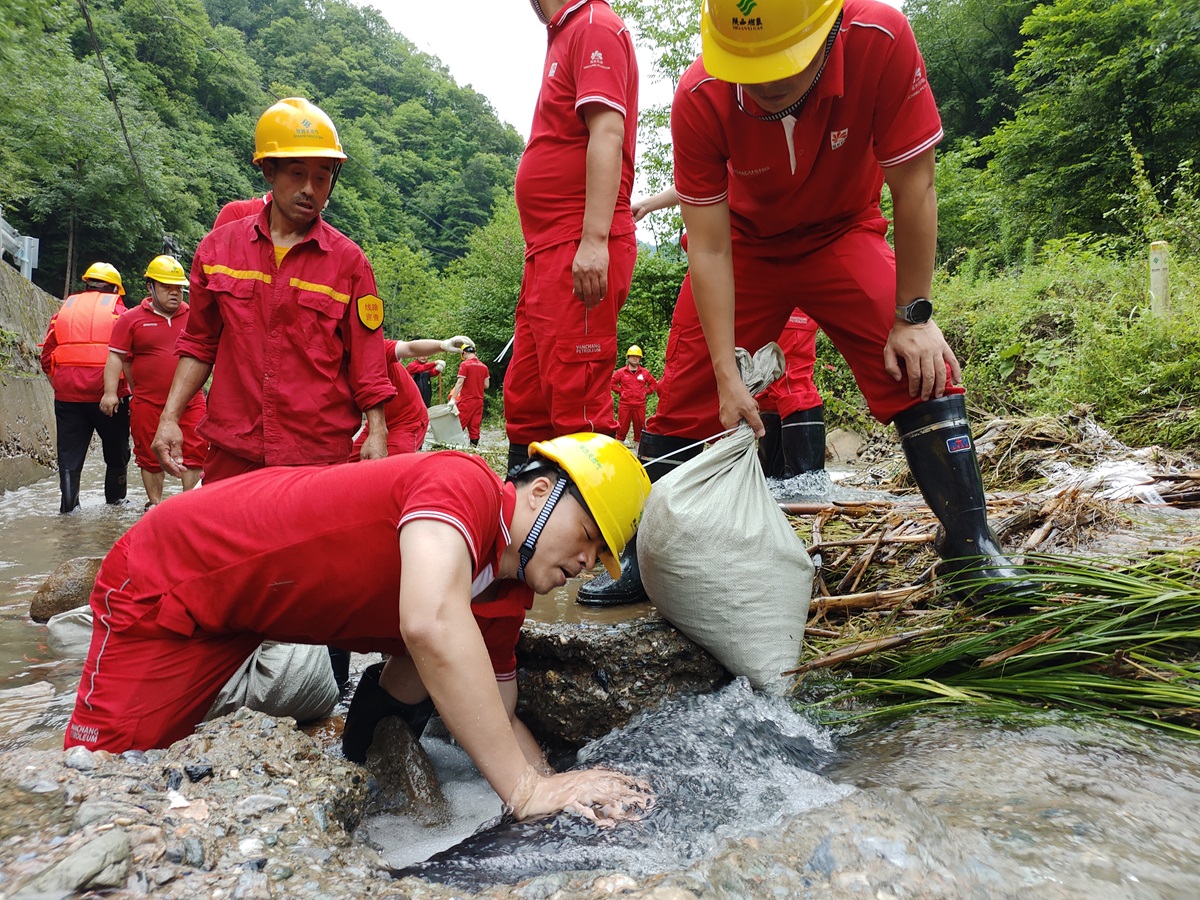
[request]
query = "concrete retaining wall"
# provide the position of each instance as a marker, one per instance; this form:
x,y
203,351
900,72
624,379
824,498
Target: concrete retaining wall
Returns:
x,y
26,400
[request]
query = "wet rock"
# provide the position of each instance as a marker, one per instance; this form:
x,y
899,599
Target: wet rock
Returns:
x,y
102,812
842,446
404,777
101,863
68,586
81,758
580,681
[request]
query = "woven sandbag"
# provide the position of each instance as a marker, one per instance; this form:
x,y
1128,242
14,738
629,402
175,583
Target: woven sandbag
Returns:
x,y
721,562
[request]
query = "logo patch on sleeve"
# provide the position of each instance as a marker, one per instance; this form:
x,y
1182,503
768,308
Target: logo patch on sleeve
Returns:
x,y
370,311
958,444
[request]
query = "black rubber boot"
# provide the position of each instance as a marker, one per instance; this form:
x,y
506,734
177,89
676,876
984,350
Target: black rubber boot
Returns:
x,y
475,442
339,660
370,706
68,485
603,590
770,446
116,484
937,443
803,437
518,455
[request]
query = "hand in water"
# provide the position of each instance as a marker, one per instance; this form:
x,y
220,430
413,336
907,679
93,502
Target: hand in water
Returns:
x,y
601,795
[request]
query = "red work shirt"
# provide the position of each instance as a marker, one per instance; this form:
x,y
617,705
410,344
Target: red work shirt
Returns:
x,y
633,387
589,59
474,374
407,408
78,384
147,339
312,555
416,367
293,365
795,184
239,209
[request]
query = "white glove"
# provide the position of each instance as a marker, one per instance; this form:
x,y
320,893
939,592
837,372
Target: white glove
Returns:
x,y
440,366
456,343
453,407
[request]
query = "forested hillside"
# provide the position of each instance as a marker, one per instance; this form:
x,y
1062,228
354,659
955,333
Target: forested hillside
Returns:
x,y
98,180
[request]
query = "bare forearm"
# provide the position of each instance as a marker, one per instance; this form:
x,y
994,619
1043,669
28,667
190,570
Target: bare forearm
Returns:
x,y
914,209
112,373
603,173
190,375
422,347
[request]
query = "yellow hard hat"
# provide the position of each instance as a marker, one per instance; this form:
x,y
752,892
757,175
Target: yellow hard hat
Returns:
x,y
754,41
105,272
635,350
166,270
611,480
294,127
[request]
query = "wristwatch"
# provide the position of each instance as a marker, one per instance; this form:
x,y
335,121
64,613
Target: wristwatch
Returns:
x,y
916,313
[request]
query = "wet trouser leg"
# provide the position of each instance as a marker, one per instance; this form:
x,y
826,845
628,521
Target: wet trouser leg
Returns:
x,y
73,426
660,455
937,443
114,438
770,446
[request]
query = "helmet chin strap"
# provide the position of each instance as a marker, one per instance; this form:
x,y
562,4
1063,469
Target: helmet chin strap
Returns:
x,y
538,11
531,539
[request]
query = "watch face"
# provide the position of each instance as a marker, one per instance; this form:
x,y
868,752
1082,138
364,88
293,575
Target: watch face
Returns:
x,y
918,311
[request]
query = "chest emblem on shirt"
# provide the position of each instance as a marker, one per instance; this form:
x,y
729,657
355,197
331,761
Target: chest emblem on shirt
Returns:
x,y
837,138
553,69
596,60
370,311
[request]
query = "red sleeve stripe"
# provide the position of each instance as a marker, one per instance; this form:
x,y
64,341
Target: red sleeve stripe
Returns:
x,y
119,350
583,101
438,516
702,201
914,152
507,676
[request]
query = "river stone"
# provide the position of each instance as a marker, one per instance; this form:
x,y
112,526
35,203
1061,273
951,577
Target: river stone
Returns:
x,y
579,681
404,775
100,863
69,586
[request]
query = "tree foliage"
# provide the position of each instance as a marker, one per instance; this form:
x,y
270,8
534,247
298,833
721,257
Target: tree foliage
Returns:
x,y
429,159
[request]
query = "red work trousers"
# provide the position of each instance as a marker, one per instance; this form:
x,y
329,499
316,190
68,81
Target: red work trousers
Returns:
x,y
794,390
848,287
564,354
630,413
143,423
470,416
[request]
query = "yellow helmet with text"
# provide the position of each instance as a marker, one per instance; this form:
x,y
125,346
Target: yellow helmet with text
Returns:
x,y
612,482
295,127
634,350
106,272
755,41
166,270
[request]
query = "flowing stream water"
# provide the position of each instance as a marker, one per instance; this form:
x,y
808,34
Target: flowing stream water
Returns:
x,y
1045,807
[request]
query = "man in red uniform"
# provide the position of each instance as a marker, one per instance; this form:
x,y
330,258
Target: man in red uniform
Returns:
x,y
784,132
467,393
632,383
793,415
313,554
73,357
407,419
286,317
572,191
142,347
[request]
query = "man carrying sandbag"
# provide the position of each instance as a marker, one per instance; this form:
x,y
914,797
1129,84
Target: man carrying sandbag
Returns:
x,y
784,132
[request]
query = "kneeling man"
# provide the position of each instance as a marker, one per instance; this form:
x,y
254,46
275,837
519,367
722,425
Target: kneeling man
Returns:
x,y
430,558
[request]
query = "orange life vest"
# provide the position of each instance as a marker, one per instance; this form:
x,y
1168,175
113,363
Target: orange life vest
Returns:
x,y
83,328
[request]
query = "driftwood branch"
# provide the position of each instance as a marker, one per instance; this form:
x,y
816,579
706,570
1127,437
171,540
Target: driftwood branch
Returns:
x,y
863,648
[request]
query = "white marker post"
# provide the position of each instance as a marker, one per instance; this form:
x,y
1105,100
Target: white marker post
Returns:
x,y
1160,279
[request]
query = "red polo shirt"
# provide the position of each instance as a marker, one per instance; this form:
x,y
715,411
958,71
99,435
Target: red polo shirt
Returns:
x,y
474,374
293,365
589,59
148,338
312,555
794,184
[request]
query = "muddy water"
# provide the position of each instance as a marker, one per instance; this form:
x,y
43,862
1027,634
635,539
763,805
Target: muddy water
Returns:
x,y
1047,807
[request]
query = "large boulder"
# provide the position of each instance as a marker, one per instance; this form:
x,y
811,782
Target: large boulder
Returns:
x,y
579,681
69,586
